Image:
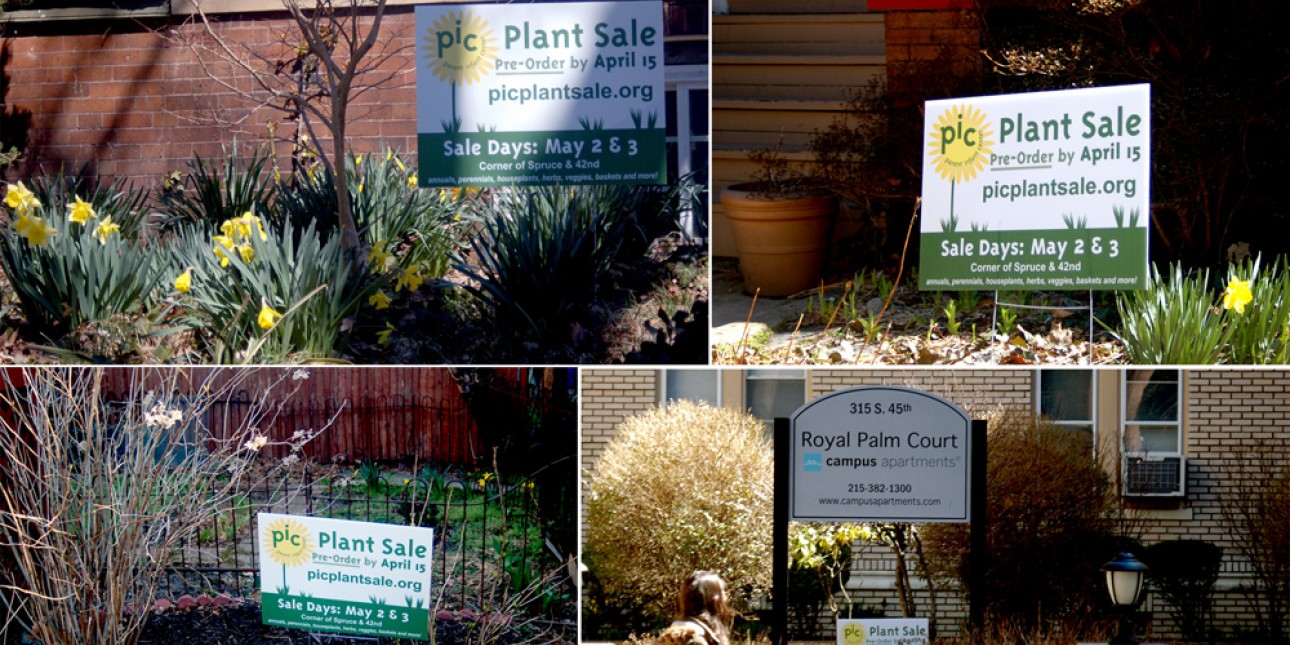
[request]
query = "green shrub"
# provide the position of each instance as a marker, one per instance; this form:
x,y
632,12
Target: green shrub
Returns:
x,y
819,565
680,488
213,194
1050,527
540,254
1172,321
1183,572
315,286
394,218
71,273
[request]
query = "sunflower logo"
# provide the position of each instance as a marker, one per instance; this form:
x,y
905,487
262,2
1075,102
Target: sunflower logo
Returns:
x,y
853,634
288,542
960,143
461,48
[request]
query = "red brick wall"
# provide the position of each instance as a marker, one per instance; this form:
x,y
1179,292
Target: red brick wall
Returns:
x,y
932,54
134,101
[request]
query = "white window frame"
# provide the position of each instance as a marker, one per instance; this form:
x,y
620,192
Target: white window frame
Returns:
x,y
1063,423
1128,456
772,374
683,79
664,379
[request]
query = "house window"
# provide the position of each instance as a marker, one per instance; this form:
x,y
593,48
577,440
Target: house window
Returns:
x,y
771,393
1151,411
703,386
1151,438
688,138
1065,397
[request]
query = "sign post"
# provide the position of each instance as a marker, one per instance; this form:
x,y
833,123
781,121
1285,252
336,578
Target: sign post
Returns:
x,y
345,577
875,454
1045,190
521,95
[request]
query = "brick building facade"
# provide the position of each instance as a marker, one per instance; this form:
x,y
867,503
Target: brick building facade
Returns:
x,y
136,93
1213,430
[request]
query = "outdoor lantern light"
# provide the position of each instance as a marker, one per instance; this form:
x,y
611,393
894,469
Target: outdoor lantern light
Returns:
x,y
1124,578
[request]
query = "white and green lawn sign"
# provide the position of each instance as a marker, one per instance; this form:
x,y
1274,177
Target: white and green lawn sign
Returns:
x,y
883,631
536,94
345,577
1047,190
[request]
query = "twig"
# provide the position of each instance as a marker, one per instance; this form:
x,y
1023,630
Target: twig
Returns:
x,y
744,338
789,352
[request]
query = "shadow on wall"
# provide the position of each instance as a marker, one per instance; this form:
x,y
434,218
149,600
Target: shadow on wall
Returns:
x,y
15,122
84,117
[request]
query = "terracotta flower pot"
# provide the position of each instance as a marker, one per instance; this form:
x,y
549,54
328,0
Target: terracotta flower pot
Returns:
x,y
781,241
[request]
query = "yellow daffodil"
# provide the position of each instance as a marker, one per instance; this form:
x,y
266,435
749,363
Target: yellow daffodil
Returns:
x,y
412,181
398,162
227,228
384,336
22,223
360,187
246,252
379,300
377,255
38,232
268,317
389,154
14,195
1237,295
81,211
223,259
106,228
358,160
410,279
184,282
20,198
222,243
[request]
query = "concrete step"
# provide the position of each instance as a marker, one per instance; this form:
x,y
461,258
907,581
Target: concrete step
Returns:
x,y
802,6
830,78
821,34
763,123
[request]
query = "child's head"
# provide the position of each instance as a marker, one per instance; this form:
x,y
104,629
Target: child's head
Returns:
x,y
704,594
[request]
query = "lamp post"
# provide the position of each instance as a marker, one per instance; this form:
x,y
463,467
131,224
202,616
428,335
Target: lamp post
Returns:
x,y
1124,578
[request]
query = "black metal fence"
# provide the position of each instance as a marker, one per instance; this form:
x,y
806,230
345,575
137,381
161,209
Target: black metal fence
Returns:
x,y
488,539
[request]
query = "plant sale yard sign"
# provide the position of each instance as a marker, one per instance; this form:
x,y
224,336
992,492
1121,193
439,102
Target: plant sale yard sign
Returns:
x,y
345,577
1047,190
538,94
883,631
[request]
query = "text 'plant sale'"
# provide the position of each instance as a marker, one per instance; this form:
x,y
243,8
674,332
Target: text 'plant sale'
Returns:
x,y
347,577
1047,190
524,95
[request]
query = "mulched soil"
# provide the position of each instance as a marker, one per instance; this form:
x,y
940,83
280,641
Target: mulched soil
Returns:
x,y
912,329
240,625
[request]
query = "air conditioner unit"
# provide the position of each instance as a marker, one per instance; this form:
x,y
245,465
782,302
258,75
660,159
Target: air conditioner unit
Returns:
x,y
1151,476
